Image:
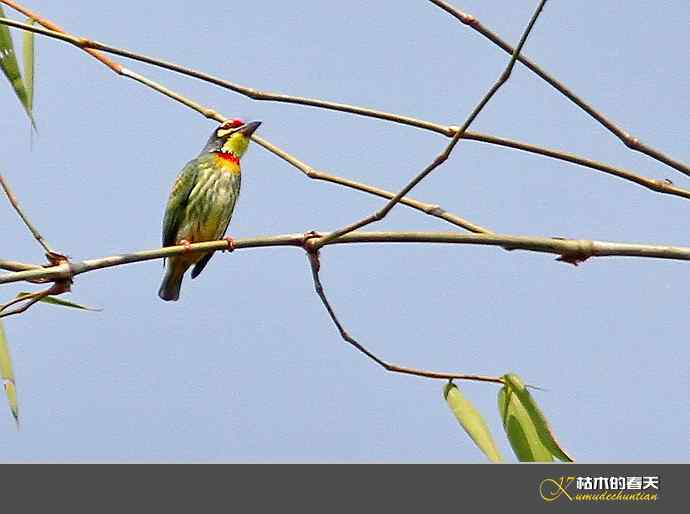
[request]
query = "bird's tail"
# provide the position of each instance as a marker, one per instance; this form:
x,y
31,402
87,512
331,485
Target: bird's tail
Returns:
x,y
172,281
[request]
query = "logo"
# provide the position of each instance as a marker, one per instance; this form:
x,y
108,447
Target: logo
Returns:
x,y
600,489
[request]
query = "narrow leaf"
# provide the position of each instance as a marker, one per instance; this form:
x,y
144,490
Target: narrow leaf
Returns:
x,y
546,435
519,428
471,421
8,375
29,54
54,300
9,66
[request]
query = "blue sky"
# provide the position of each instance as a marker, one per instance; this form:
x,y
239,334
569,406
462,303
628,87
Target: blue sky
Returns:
x,y
247,367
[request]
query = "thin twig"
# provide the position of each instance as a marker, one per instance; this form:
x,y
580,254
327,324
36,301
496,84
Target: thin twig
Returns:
x,y
21,266
628,140
56,28
430,209
660,186
249,92
16,265
15,203
663,186
569,250
28,300
59,287
443,156
427,208
318,286
57,32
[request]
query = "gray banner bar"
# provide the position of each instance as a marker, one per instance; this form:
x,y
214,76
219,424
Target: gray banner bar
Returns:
x,y
361,488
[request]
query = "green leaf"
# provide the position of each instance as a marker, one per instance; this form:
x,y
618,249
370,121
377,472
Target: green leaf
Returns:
x,y
540,422
528,431
8,375
9,66
54,300
471,421
519,429
29,54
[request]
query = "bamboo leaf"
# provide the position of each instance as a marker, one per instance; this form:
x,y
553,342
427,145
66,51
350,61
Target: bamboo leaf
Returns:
x,y
29,55
54,300
471,421
521,432
8,375
543,429
9,66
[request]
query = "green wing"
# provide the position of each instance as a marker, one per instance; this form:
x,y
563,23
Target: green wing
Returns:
x,y
177,202
199,266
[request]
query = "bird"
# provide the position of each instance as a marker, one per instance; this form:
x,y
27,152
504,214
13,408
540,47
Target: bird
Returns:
x,y
202,201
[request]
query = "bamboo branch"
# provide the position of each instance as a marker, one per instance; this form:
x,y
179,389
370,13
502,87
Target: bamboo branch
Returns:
x,y
34,231
16,266
443,156
56,28
318,286
59,287
660,186
568,250
58,32
431,209
663,186
29,300
248,92
628,140
427,208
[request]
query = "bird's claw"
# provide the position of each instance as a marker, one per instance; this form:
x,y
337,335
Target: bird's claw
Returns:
x,y
231,244
187,245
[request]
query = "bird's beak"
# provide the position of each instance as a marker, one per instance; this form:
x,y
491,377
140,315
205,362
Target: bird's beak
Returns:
x,y
250,127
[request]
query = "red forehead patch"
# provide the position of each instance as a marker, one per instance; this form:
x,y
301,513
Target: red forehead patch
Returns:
x,y
233,123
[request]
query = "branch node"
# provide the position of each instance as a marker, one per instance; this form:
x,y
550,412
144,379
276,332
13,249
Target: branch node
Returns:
x,y
435,210
660,185
55,258
314,174
83,42
309,245
631,142
469,19
583,251
61,285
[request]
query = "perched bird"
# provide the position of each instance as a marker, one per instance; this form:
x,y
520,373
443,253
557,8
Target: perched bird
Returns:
x,y
202,200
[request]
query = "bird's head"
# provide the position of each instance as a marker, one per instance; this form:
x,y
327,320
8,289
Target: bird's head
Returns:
x,y
232,137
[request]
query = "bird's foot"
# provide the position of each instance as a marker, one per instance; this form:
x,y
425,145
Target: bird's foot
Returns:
x,y
231,244
187,245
